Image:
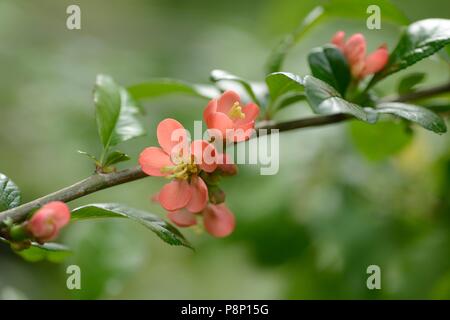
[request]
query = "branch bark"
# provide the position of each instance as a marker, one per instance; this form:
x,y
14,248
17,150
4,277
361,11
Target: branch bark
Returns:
x,y
99,182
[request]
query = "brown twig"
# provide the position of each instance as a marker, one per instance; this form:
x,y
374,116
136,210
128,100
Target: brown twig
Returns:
x,y
98,181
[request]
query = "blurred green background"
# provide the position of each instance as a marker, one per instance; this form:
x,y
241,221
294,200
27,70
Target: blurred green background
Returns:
x,y
308,232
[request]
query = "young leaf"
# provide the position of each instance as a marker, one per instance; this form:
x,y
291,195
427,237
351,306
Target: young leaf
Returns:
x,y
221,75
52,252
324,99
162,229
161,87
128,126
420,40
90,156
408,83
332,9
116,157
329,64
422,116
115,113
9,193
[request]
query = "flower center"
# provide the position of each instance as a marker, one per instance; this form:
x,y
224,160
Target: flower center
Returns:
x,y
183,170
236,112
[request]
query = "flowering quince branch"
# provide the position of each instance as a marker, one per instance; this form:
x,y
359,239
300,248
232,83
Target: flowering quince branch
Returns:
x,y
338,89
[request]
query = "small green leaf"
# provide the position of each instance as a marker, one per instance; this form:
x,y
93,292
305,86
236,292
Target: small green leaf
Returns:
x,y
324,99
9,193
162,229
115,113
107,107
328,64
161,87
408,83
116,157
420,40
90,156
422,116
333,9
221,75
378,142
52,252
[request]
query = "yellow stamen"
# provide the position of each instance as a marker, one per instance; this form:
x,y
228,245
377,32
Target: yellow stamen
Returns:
x,y
181,171
236,112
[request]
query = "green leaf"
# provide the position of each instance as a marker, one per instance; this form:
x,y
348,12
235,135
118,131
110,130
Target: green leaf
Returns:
x,y
161,87
9,193
116,157
422,116
280,83
90,156
162,229
333,9
324,99
380,141
420,40
52,252
285,88
408,83
221,75
328,64
115,113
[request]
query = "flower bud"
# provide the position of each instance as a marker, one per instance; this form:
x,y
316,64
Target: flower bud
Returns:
x,y
45,224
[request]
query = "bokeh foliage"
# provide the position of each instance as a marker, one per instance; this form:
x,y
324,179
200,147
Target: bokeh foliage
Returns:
x,y
340,202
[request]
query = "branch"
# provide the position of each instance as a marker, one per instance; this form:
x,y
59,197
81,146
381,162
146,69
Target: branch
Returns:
x,y
416,95
99,182
80,189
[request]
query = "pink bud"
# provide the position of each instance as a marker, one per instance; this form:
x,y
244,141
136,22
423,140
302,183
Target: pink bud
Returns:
x,y
45,224
338,39
375,61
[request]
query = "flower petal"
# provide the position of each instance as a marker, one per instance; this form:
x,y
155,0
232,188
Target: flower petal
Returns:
x,y
199,197
61,213
219,121
219,220
205,155
152,160
355,49
175,195
211,108
182,218
251,112
376,61
171,134
338,39
227,100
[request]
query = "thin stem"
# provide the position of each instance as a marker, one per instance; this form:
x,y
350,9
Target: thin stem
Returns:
x,y
101,181
426,93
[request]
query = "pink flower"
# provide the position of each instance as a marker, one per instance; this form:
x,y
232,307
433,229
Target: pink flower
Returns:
x,y
354,49
182,162
218,220
45,224
230,118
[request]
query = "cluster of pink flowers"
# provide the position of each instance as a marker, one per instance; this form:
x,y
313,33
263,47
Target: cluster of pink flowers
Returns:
x,y
46,222
354,49
193,167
